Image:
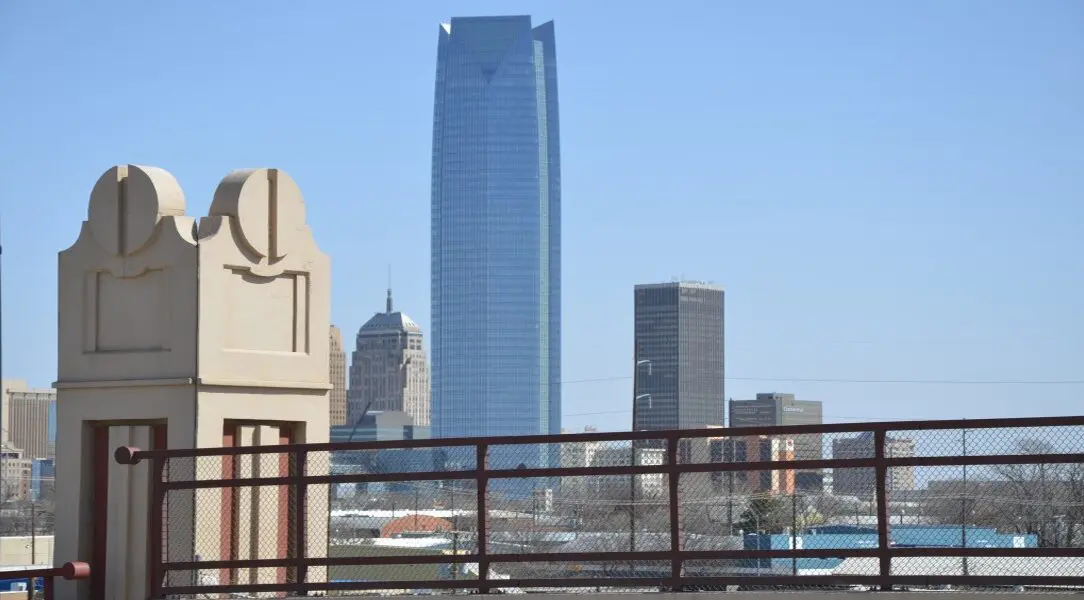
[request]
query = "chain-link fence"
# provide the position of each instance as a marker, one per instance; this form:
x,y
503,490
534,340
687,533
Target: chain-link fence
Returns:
x,y
992,504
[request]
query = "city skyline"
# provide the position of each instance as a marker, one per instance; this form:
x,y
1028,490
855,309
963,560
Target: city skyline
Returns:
x,y
496,230
888,193
853,193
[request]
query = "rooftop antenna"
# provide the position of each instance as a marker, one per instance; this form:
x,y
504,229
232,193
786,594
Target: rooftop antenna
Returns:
x,y
389,289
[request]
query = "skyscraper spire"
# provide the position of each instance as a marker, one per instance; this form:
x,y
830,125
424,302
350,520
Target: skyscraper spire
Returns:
x,y
389,289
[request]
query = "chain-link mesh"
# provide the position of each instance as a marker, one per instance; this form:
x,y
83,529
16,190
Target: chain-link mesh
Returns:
x,y
402,519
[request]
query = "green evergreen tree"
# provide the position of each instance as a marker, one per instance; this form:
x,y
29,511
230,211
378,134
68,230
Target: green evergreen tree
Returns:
x,y
765,514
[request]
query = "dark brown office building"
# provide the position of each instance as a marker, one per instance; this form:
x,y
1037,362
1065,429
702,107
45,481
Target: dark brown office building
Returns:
x,y
678,363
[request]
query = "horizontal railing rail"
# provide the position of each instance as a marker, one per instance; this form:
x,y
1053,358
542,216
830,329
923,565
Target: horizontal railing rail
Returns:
x,y
620,436
296,488
123,453
70,571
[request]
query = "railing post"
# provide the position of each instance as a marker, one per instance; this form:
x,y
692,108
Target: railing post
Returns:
x,y
156,528
675,512
301,518
481,465
880,439
47,588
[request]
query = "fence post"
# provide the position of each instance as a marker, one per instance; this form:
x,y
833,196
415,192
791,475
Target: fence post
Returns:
x,y
481,465
884,555
301,519
675,512
156,527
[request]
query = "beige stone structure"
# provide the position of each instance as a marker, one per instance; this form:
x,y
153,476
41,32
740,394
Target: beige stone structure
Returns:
x,y
177,334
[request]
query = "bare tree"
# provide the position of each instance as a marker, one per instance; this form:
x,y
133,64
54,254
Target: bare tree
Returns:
x,y
1039,499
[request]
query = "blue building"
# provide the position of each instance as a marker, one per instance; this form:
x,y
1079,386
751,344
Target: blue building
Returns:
x,y
380,426
852,537
496,233
42,478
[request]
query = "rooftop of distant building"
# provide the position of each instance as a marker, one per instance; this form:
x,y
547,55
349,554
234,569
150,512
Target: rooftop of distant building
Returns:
x,y
389,321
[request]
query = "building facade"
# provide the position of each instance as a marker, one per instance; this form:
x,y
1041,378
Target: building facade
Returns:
x,y
759,449
388,368
15,474
29,419
861,482
679,366
610,487
496,230
337,364
775,409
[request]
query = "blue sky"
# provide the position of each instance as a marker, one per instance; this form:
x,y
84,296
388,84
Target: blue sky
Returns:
x,y
888,191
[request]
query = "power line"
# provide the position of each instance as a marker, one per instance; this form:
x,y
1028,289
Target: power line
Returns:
x,y
629,410
867,381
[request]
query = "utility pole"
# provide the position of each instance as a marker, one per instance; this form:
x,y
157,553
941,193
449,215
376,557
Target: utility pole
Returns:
x,y
417,494
794,530
636,425
963,506
730,455
455,536
33,533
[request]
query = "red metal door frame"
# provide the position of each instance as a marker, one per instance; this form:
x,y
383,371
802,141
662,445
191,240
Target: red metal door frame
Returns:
x,y
100,460
286,436
228,521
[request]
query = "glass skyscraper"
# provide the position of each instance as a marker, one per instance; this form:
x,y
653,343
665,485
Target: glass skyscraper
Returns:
x,y
496,231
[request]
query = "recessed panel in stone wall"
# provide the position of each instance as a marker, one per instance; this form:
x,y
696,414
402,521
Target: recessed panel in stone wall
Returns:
x,y
128,314
267,314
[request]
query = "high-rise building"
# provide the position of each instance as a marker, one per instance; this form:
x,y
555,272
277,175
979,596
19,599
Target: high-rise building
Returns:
x,y
678,363
496,230
861,482
29,418
774,409
337,362
388,369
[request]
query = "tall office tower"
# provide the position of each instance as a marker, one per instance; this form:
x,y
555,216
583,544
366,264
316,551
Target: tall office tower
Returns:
x,y
496,230
337,399
388,369
29,416
678,363
773,409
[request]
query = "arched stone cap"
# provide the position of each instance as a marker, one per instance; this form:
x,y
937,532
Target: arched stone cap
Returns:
x,y
126,205
267,207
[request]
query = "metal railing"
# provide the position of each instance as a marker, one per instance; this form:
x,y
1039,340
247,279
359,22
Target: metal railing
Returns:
x,y
878,456
70,571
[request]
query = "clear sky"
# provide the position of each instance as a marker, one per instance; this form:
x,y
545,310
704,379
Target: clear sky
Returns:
x,y
887,190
